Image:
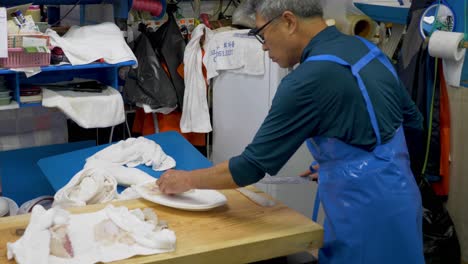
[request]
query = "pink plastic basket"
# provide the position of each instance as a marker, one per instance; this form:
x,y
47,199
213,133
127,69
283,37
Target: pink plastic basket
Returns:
x,y
18,58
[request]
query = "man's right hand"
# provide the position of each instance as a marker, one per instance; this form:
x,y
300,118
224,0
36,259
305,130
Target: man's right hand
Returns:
x,y
311,174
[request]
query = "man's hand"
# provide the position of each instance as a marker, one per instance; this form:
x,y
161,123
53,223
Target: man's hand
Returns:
x,y
311,174
175,181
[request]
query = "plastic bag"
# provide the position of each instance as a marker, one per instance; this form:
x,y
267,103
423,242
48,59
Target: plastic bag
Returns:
x,y
244,15
440,239
441,244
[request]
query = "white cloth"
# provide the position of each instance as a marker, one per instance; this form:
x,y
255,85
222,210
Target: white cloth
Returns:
x,y
195,114
123,175
129,194
33,246
88,186
234,51
83,45
88,110
135,151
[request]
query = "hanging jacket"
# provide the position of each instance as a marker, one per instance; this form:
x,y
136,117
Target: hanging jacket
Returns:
x,y
149,83
170,44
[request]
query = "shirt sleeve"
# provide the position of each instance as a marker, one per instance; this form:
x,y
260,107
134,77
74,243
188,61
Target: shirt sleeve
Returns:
x,y
412,118
293,117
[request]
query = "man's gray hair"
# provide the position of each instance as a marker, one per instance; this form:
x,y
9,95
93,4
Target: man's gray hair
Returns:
x,y
272,8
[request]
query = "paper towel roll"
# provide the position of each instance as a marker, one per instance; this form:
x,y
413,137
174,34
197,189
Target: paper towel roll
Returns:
x,y
445,45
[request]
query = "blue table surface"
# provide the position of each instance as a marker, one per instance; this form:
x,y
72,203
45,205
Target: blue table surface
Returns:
x,y
61,168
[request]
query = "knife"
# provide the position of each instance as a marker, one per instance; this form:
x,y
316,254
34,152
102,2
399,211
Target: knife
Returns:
x,y
286,180
256,198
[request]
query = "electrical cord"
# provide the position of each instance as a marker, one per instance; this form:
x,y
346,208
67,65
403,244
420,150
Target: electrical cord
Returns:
x,y
69,11
429,128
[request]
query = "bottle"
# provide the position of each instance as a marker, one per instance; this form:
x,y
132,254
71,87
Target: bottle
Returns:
x,y
35,12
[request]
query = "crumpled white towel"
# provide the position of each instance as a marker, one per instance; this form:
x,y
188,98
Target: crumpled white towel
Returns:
x,y
83,45
88,186
88,110
195,116
234,51
33,247
123,175
135,151
129,194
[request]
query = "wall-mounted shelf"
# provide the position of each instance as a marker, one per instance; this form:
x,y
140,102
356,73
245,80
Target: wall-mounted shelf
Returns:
x,y
103,72
385,13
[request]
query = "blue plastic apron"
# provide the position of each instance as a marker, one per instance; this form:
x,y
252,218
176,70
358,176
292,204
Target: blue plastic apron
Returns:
x,y
371,200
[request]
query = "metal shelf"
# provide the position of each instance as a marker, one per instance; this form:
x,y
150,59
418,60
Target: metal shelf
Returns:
x,y
104,72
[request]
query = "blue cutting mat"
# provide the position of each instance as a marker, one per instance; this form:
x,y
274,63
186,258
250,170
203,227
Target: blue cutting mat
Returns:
x,y
22,179
60,169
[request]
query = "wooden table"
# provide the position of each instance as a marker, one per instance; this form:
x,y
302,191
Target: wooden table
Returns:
x,y
238,232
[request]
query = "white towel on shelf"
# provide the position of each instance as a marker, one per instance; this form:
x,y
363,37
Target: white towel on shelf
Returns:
x,y
135,151
127,233
83,45
234,51
88,110
195,114
123,175
88,186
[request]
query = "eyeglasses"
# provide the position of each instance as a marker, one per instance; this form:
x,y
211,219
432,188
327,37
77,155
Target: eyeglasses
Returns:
x,y
256,31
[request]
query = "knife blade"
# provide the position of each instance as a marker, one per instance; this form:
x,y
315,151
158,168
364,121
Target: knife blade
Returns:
x,y
286,180
256,198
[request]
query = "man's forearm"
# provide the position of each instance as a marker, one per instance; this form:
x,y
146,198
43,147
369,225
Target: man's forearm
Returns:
x,y
217,177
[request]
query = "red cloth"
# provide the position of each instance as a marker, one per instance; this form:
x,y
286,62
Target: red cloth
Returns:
x,y
144,123
442,187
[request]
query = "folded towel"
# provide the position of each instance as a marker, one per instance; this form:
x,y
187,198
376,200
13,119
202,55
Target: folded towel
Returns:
x,y
88,110
234,51
88,186
114,233
135,151
83,45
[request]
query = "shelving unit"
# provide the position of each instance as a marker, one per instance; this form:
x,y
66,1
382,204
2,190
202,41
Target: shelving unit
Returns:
x,y
103,72
398,14
385,13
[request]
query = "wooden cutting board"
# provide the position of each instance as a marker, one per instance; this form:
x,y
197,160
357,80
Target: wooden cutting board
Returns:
x,y
238,232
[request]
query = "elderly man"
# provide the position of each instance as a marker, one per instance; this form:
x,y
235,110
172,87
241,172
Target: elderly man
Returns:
x,y
346,101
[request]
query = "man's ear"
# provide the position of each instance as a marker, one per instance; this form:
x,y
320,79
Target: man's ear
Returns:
x,y
292,21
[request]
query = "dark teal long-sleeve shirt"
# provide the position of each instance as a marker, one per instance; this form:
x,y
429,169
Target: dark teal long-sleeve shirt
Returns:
x,y
322,98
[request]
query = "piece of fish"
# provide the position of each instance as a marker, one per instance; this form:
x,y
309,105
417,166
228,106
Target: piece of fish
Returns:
x,y
108,233
60,244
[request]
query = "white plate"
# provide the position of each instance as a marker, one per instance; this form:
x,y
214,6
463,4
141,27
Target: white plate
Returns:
x,y
194,200
13,207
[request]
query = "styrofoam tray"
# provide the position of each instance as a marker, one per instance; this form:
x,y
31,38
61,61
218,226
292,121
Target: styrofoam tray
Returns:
x,y
13,207
194,200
